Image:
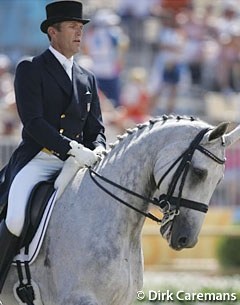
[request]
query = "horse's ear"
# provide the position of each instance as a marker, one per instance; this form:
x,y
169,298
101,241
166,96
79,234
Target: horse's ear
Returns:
x,y
232,136
218,131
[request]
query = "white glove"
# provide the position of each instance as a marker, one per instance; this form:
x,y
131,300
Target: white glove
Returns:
x,y
83,155
100,151
69,169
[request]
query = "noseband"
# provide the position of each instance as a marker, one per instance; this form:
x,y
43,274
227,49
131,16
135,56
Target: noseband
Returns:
x,y
169,204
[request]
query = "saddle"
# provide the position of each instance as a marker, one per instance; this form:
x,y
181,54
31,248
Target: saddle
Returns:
x,y
38,212
36,206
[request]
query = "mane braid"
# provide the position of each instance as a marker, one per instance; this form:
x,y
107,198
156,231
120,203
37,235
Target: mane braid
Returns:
x,y
129,131
151,122
165,118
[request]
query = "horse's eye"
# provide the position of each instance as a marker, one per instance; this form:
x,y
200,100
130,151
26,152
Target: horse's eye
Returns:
x,y
198,174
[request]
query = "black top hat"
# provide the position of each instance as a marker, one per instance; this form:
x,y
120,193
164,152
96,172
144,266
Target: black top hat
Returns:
x,y
62,11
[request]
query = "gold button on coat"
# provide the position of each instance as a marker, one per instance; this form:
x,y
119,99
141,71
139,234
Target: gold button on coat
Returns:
x,y
61,130
63,116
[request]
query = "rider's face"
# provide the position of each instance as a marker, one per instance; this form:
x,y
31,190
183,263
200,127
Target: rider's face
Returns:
x,y
67,38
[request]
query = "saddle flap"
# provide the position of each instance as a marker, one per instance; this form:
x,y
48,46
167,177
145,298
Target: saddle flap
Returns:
x,y
37,203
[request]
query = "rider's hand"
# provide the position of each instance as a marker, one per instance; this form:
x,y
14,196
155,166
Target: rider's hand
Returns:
x,y
100,151
83,155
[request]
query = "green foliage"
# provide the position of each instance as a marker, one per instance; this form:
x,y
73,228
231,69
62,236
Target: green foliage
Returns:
x,y
228,251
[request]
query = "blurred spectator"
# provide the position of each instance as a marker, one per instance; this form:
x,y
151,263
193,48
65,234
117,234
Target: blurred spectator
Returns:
x,y
111,116
228,35
134,103
134,14
106,44
135,99
8,119
193,52
210,20
165,75
175,6
6,79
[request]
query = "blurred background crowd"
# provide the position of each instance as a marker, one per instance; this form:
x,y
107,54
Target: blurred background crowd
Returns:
x,y
150,57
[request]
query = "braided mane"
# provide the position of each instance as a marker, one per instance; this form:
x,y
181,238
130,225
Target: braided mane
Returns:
x,y
164,118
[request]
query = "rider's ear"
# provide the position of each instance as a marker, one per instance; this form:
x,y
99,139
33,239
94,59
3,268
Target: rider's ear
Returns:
x,y
218,131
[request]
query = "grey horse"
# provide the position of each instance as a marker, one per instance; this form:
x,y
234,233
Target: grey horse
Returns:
x,y
92,251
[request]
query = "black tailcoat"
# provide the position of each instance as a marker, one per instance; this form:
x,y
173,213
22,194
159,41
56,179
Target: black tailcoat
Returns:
x,y
53,111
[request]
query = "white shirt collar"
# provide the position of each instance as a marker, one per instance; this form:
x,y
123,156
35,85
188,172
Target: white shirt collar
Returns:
x,y
60,57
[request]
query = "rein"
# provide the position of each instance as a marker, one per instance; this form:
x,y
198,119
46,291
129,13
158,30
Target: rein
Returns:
x,y
153,201
166,201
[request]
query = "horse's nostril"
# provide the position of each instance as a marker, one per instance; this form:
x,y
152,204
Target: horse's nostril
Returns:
x,y
182,241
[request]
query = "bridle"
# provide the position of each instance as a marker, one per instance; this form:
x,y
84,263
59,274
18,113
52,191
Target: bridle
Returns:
x,y
168,203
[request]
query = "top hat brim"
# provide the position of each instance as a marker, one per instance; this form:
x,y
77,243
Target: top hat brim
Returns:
x,y
48,22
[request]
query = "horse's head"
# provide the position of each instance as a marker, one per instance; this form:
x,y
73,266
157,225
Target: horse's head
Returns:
x,y
187,183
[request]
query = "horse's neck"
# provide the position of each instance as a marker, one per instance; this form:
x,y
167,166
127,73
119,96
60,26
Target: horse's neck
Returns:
x,y
130,165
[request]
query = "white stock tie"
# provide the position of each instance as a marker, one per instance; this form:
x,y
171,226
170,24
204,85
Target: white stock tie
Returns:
x,y
67,65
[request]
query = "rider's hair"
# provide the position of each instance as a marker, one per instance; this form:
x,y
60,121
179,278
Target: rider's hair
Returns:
x,y
56,26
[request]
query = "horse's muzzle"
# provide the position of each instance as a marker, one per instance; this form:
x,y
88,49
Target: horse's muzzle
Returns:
x,y
178,235
181,242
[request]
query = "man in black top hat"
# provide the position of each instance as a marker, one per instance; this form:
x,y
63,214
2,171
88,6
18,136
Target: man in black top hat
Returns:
x,y
59,108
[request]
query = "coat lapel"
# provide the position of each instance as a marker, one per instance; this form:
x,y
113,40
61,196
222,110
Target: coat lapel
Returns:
x,y
80,83
57,71
80,88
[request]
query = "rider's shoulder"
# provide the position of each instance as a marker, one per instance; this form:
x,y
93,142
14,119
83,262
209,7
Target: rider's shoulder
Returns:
x,y
26,64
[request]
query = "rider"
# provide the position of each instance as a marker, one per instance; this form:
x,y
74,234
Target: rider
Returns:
x,y
59,108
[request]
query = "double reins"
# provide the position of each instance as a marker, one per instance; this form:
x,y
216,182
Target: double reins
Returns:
x,y
150,200
166,201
